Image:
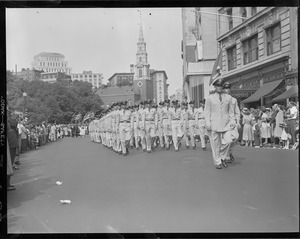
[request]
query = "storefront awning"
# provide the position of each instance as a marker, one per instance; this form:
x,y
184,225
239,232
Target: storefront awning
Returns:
x,y
291,92
262,91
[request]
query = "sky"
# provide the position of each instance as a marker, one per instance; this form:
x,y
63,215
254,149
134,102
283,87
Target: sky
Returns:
x,y
103,40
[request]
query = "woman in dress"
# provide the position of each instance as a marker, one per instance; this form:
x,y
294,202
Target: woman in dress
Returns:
x,y
247,130
278,125
265,127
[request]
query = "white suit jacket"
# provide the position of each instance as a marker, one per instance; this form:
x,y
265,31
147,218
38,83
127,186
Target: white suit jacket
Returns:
x,y
219,115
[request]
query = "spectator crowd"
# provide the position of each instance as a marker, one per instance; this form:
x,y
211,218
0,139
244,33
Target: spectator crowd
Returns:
x,y
22,137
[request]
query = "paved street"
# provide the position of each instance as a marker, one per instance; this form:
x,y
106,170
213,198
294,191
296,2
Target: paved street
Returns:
x,y
165,191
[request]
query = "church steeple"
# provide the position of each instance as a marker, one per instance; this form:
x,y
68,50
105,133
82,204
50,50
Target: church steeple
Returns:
x,y
141,36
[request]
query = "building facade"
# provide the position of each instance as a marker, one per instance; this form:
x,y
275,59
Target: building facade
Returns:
x,y
88,76
110,95
54,77
199,51
121,79
160,86
51,62
29,75
258,48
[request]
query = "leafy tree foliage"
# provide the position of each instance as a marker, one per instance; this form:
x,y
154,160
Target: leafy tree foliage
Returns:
x,y
55,102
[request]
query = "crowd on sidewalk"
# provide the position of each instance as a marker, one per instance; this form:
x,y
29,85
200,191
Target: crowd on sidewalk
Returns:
x,y
22,137
276,127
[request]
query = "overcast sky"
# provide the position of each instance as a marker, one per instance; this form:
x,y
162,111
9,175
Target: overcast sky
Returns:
x,y
103,40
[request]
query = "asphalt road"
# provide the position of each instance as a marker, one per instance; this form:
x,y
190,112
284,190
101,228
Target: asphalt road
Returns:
x,y
163,192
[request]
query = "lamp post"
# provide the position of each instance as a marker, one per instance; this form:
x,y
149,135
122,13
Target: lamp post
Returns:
x,y
25,103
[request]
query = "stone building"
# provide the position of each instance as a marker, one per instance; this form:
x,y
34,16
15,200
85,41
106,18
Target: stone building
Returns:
x,y
29,74
94,78
257,52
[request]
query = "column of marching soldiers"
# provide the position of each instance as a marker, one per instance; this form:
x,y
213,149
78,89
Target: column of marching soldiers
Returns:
x,y
147,125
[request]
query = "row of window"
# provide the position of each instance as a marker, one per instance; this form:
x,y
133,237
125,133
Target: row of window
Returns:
x,y
243,13
86,76
53,70
53,64
53,58
250,47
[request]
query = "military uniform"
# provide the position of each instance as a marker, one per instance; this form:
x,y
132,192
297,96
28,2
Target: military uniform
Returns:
x,y
176,123
165,122
200,122
125,124
191,123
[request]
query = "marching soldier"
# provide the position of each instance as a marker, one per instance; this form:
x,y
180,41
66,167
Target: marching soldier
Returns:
x,y
160,124
141,127
135,118
200,124
165,122
237,115
191,123
184,127
150,125
125,124
176,123
219,120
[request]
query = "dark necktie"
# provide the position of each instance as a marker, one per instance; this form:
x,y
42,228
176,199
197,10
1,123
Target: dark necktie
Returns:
x,y
220,97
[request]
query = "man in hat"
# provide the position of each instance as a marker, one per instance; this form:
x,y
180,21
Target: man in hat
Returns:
x,y
160,124
135,120
176,122
191,123
200,124
237,115
150,122
165,123
118,147
141,126
219,120
125,123
184,127
291,120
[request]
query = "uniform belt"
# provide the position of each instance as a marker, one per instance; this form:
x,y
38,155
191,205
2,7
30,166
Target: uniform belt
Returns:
x,y
148,120
191,119
175,119
201,118
124,121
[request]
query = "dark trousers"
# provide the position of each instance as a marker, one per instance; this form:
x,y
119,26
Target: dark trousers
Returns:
x,y
23,145
291,129
12,154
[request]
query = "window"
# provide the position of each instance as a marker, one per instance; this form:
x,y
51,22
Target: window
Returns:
x,y
250,48
273,39
95,76
140,59
230,19
231,55
140,73
81,76
253,10
243,13
85,76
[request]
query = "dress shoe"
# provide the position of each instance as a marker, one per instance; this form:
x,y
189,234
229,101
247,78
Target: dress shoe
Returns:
x,y
228,160
204,149
219,166
149,151
120,153
224,164
231,157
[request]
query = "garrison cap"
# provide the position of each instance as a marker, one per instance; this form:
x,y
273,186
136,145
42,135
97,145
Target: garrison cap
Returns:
x,y
161,103
219,82
192,102
226,85
167,101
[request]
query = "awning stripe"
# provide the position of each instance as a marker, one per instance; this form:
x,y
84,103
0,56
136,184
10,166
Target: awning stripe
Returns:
x,y
291,92
262,91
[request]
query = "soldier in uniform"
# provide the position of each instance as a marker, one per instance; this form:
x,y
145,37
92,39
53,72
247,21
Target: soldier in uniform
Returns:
x,y
191,123
184,127
124,122
219,120
237,115
160,124
150,125
135,118
176,123
141,128
166,126
200,122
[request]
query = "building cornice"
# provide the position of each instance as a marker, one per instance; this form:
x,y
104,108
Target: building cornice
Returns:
x,y
257,65
245,23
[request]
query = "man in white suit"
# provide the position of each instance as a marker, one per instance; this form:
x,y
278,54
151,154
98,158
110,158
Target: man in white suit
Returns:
x,y
219,120
237,115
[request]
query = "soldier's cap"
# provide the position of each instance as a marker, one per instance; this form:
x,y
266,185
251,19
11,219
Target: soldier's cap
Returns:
x,y
149,102
161,103
184,103
192,102
174,102
218,82
167,101
136,106
227,85
124,102
154,106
